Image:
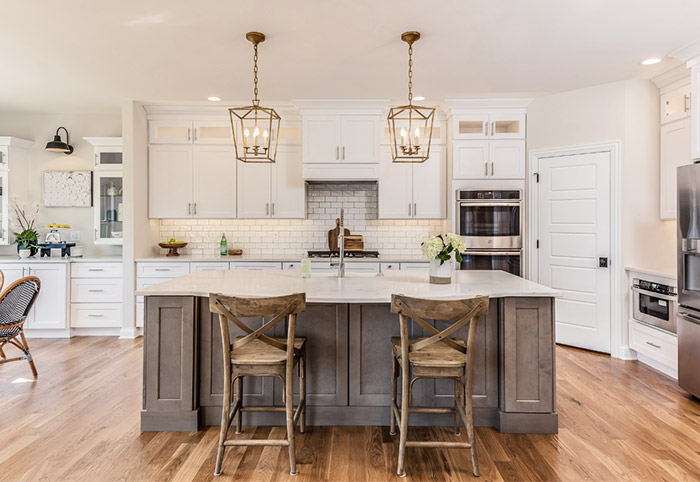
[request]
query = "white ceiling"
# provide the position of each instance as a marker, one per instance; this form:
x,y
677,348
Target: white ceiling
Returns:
x,y
88,56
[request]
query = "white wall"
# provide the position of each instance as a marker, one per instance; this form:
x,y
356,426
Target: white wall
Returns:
x,y
628,112
26,177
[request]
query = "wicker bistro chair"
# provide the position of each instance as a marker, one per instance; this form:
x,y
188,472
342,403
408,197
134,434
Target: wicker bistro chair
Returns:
x,y
259,355
436,356
15,303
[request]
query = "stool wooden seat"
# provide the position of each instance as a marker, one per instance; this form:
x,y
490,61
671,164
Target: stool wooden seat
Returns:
x,y
436,356
259,355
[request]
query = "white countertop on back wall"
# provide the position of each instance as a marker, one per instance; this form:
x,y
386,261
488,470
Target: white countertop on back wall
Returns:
x,y
7,259
187,258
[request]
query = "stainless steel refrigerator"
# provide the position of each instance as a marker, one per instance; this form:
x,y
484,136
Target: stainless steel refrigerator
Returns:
x,y
689,278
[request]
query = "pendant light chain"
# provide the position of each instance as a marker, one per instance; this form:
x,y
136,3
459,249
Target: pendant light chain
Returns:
x,y
410,73
256,101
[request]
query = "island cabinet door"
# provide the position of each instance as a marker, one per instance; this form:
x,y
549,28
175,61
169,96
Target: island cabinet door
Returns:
x,y
371,329
256,390
169,374
527,355
440,393
325,327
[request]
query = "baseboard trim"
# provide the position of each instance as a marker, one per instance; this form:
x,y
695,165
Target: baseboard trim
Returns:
x,y
129,333
626,353
171,421
46,333
666,370
80,331
509,422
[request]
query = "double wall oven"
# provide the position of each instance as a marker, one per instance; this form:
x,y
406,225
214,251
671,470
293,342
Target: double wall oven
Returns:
x,y
490,222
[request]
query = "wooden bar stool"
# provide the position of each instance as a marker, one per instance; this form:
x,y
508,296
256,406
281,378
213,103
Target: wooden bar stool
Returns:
x,y
437,356
259,355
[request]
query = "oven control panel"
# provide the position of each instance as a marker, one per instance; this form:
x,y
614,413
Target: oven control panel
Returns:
x,y
488,195
654,287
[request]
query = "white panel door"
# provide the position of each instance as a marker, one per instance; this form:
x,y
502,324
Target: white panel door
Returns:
x,y
675,152
169,181
574,234
321,138
214,182
254,180
359,139
288,188
471,160
51,307
395,200
507,159
429,185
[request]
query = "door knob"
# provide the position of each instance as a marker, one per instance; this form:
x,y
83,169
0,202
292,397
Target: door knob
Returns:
x,y
602,262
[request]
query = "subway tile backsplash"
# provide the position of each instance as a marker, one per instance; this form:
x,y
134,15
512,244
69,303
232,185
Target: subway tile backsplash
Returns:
x,y
296,236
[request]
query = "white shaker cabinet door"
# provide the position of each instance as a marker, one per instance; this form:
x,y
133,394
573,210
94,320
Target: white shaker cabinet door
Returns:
x,y
51,307
675,152
214,182
321,135
507,159
170,181
254,180
471,160
359,139
429,186
288,189
169,132
12,273
395,199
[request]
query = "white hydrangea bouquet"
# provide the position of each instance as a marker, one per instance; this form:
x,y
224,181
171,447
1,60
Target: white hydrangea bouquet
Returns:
x,y
439,251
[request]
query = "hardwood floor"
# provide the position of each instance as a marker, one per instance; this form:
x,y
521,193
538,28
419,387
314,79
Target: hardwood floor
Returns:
x,y
80,421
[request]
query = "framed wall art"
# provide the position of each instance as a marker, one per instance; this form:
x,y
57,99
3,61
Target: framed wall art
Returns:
x,y
67,189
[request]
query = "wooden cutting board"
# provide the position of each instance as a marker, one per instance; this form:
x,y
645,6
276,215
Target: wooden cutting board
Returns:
x,y
333,235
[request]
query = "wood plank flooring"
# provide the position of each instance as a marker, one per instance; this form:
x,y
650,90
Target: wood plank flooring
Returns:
x,y
80,422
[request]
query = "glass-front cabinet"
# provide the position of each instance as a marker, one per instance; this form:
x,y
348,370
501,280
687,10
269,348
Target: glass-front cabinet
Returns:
x,y
108,205
4,209
108,190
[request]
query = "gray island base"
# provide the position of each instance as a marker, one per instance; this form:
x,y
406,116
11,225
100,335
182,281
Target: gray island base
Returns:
x,y
349,326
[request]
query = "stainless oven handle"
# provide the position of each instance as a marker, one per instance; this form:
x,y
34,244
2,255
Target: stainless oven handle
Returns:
x,y
491,253
655,295
689,317
490,204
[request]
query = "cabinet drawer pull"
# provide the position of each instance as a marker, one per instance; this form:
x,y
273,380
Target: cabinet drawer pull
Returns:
x,y
95,291
272,210
267,209
189,133
337,153
95,269
343,152
95,316
162,269
653,344
414,209
486,168
409,209
492,168
486,129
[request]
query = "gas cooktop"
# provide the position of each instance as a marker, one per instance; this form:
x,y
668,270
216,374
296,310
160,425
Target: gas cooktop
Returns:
x,y
348,254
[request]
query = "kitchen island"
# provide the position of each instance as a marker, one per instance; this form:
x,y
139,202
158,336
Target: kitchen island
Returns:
x,y
348,325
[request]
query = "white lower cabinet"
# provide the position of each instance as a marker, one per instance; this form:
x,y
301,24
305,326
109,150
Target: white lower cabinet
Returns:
x,y
149,274
659,346
96,295
418,265
208,266
50,311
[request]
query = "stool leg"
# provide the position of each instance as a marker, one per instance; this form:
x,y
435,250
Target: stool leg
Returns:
x,y
403,427
469,422
28,355
239,396
302,391
457,401
289,405
225,408
392,422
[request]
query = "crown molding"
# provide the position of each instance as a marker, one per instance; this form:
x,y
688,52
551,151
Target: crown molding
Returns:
x,y
352,106
201,112
458,106
689,53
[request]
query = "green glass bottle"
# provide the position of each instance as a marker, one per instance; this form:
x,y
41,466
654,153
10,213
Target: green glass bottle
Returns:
x,y
223,250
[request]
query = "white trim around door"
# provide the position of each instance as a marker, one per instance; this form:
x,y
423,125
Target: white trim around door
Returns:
x,y
618,350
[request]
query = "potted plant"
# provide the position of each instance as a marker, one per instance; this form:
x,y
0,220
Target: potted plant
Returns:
x,y
26,236
439,250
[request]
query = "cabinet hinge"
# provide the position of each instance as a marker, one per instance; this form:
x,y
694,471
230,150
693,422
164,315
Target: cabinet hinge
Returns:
x,y
537,244
537,177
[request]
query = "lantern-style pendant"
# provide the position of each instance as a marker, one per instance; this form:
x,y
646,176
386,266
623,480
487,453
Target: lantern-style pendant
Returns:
x,y
410,126
255,128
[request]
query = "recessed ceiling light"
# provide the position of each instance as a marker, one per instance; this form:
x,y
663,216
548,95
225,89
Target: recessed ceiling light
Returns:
x,y
651,61
214,98
419,98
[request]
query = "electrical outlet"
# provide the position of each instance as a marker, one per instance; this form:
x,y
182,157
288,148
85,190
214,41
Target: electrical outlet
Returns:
x,y
75,235
275,236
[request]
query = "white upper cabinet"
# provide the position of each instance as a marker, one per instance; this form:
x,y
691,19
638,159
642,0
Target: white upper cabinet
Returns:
x,y
170,132
501,159
507,159
695,112
188,132
470,160
107,152
488,126
675,104
272,190
213,132
675,152
214,182
412,190
359,140
321,139
170,181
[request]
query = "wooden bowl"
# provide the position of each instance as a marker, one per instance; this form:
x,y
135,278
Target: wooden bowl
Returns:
x,y
172,248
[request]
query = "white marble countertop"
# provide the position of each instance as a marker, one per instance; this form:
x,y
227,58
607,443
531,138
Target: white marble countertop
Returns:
x,y
188,258
9,259
354,288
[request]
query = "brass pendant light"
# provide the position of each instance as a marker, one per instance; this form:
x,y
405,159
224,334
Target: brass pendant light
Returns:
x,y
254,127
410,126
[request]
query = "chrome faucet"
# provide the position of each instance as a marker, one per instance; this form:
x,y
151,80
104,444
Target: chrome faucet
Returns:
x,y
341,247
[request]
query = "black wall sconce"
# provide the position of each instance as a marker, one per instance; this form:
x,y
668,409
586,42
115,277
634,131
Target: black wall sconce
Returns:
x,y
57,145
